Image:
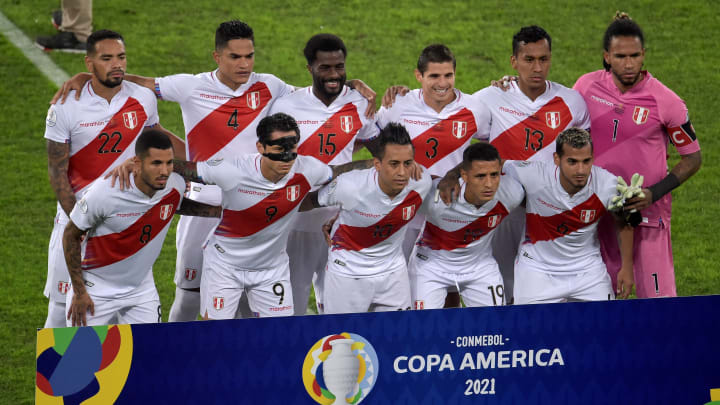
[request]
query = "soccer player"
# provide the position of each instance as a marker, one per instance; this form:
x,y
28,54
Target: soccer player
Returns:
x,y
454,249
634,116
88,136
124,231
329,115
366,267
559,260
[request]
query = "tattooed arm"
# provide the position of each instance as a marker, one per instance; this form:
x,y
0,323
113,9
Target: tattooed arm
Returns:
x,y
355,165
58,160
198,209
187,169
81,301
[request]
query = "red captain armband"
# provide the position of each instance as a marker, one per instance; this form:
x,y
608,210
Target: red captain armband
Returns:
x,y
682,135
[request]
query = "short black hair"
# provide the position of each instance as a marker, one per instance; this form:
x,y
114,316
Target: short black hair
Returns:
x,y
435,53
394,134
151,138
622,26
528,35
576,138
98,36
233,29
480,151
276,122
323,42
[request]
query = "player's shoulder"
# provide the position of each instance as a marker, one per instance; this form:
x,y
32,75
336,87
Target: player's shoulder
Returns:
x,y
177,182
487,93
268,79
409,100
589,79
298,97
660,91
510,191
141,92
424,183
353,96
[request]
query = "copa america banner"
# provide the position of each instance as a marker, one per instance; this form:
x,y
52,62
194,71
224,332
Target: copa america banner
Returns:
x,y
664,351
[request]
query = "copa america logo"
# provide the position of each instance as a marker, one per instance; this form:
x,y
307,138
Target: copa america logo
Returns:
x,y
340,369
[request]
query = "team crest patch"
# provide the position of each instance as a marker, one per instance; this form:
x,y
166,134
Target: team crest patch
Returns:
x,y
130,119
83,206
253,99
408,212
552,119
218,303
640,115
346,123
587,216
51,118
166,211
63,287
419,304
459,129
493,221
190,274
293,192
214,162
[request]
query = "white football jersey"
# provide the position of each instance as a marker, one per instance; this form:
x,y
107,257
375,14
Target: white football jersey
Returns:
x,y
126,230
257,213
100,135
367,236
220,122
460,235
561,230
439,138
522,129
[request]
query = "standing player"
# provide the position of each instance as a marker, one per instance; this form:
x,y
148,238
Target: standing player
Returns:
x,y
366,268
86,138
125,230
560,260
634,116
329,115
454,249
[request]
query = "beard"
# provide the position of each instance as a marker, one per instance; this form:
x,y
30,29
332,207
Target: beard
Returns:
x,y
332,93
108,81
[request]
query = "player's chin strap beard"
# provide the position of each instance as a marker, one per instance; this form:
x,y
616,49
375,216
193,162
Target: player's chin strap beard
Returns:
x,y
288,143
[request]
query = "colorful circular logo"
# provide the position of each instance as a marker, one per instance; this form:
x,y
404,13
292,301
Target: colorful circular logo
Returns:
x,y
82,364
340,369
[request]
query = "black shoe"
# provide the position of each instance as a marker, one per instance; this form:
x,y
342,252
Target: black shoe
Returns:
x,y
56,19
62,41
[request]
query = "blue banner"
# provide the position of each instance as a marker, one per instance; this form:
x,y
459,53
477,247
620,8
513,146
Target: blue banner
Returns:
x,y
661,351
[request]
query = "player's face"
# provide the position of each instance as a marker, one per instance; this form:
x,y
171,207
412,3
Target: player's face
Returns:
x,y
328,73
394,169
482,181
532,64
235,62
575,165
277,169
108,64
155,168
625,57
437,83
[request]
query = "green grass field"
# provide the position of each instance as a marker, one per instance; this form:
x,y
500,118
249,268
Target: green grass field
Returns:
x,y
383,40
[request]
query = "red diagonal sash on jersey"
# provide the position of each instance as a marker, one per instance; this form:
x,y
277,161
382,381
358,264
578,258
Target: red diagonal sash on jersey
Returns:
x,y
91,161
357,238
243,223
332,136
530,135
111,248
221,126
444,138
437,238
540,228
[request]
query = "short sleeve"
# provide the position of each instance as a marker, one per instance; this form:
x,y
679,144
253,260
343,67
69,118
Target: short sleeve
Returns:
x,y
90,210
369,129
56,128
676,120
176,88
581,114
510,192
152,112
607,185
318,172
382,117
329,195
220,172
483,116
522,170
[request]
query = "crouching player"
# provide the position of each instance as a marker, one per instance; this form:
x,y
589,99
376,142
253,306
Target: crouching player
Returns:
x,y
559,259
366,268
113,279
454,250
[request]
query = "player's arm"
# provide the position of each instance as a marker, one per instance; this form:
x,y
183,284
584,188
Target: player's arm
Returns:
x,y
81,301
393,91
449,185
310,201
687,166
625,279
78,81
347,167
198,209
365,91
58,161
187,169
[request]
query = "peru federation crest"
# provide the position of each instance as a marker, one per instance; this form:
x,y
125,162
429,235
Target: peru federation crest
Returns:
x,y
130,119
190,274
552,119
493,221
408,212
587,216
63,287
346,123
640,115
459,129
218,303
253,99
166,211
293,192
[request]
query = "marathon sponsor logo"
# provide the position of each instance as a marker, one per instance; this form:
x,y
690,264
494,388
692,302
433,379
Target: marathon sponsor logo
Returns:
x,y
547,204
94,124
89,283
219,249
339,263
309,122
456,220
417,122
253,192
513,112
280,309
603,101
421,256
367,214
213,97
128,214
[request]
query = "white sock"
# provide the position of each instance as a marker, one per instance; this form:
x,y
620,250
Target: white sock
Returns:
x,y
186,306
57,316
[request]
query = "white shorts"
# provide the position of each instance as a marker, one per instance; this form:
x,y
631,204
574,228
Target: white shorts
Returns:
x,y
307,252
535,286
386,292
269,292
479,286
505,245
58,279
144,308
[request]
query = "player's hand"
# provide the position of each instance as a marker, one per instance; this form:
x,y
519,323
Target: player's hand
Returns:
x,y
389,97
121,174
75,83
79,307
625,282
416,171
327,227
627,192
448,188
369,94
504,83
